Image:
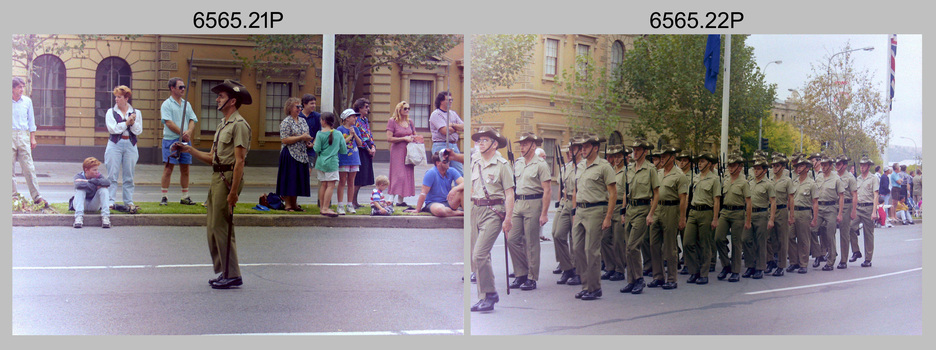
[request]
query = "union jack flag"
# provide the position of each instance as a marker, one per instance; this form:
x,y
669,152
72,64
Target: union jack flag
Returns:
x,y
893,55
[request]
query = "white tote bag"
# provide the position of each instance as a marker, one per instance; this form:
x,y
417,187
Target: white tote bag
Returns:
x,y
415,153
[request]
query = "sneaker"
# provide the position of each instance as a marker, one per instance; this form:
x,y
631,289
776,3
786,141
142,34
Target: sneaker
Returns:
x,y
351,209
184,201
164,201
341,210
105,221
79,221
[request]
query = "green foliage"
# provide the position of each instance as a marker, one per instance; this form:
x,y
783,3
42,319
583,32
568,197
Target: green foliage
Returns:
x,y
241,208
26,47
783,137
25,205
590,97
841,105
497,60
664,77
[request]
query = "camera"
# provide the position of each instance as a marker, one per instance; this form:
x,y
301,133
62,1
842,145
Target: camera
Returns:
x,y
176,149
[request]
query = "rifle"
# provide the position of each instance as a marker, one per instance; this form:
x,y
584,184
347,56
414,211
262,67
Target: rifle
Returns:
x,y
692,168
721,176
561,167
510,157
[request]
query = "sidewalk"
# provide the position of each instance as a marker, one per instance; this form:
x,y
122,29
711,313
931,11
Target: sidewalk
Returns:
x,y
63,173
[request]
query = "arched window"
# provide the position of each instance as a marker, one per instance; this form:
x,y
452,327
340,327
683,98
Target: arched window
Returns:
x,y
617,54
48,91
111,72
615,138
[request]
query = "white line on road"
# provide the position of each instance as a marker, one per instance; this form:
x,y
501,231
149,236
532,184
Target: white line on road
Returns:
x,y
913,239
412,332
209,265
836,282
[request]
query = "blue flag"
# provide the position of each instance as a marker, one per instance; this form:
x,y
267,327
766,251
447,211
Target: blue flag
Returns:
x,y
711,61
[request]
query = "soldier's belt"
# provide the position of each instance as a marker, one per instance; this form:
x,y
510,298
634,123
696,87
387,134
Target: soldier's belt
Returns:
x,y
487,202
702,208
522,197
619,201
638,202
669,203
825,203
799,208
220,168
847,201
781,207
733,207
589,205
865,204
758,210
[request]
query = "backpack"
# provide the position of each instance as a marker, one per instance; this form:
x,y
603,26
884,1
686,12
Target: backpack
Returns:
x,y
272,201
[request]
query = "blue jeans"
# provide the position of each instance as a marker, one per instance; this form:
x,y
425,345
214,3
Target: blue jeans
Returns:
x,y
121,157
438,146
99,201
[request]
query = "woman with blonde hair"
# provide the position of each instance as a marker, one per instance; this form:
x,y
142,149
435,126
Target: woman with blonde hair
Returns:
x,y
292,178
121,155
400,132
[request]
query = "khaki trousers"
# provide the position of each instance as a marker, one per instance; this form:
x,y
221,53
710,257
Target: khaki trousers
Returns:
x,y
663,234
22,153
730,221
609,252
218,227
636,228
864,216
523,240
562,233
800,238
486,225
754,242
827,214
844,234
779,240
697,242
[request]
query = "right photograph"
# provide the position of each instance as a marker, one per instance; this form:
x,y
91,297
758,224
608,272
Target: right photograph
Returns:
x,y
695,184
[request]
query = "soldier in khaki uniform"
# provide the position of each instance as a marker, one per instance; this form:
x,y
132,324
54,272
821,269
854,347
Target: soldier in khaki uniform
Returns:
x,y
816,247
614,262
595,187
644,183
868,201
779,241
804,216
562,221
670,217
492,193
763,211
703,219
533,193
849,209
228,151
831,197
684,162
735,217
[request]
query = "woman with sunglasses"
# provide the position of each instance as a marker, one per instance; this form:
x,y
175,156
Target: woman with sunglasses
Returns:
x,y
400,132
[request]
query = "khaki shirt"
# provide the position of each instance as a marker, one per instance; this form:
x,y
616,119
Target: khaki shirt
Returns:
x,y
783,186
830,187
568,178
706,189
761,192
736,191
867,186
530,177
232,133
621,178
593,181
494,175
805,192
673,184
642,181
850,183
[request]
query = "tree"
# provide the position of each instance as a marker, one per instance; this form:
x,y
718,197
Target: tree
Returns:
x,y
496,61
590,98
840,105
783,136
663,78
354,54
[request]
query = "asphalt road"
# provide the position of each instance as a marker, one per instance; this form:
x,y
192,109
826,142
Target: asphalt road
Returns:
x,y
884,299
153,280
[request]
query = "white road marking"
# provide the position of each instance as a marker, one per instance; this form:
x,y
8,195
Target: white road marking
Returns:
x,y
209,265
913,239
836,282
409,332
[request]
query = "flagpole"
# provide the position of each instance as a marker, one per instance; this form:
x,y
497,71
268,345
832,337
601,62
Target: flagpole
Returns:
x,y
726,78
889,89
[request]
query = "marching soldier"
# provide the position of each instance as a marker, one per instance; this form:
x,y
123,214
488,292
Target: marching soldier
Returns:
x,y
227,155
779,242
684,161
492,194
868,201
831,197
595,187
613,237
533,193
643,182
703,219
562,222
669,218
816,247
804,216
849,209
763,210
735,217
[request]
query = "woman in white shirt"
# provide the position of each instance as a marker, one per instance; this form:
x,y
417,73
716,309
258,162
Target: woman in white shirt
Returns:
x,y
121,155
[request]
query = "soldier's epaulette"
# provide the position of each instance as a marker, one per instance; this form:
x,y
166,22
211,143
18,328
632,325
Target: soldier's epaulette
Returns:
x,y
502,160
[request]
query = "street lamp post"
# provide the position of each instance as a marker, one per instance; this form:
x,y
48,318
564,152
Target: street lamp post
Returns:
x,y
760,125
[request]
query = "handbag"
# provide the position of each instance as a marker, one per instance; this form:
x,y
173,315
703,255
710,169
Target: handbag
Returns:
x,y
415,151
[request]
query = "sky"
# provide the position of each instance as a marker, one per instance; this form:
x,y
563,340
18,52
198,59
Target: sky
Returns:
x,y
800,52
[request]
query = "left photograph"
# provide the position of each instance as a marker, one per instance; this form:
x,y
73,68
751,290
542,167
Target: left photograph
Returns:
x,y
311,180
